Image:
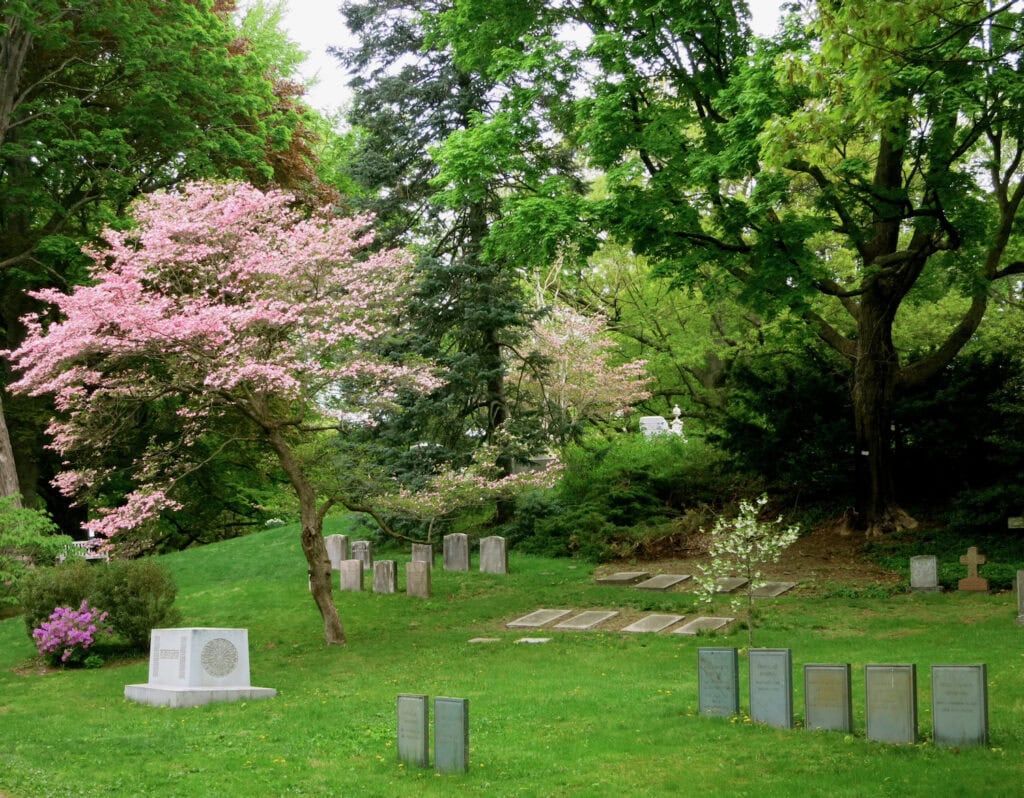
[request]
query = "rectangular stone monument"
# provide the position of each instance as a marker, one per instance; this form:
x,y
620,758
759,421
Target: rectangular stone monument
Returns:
x,y
730,584
924,573
827,698
771,687
718,681
362,550
1020,597
456,552
586,620
337,550
451,735
493,555
622,578
653,425
772,589
385,576
1015,522
351,579
890,695
423,552
703,624
960,705
413,730
194,666
537,619
972,582
417,579
653,623
662,582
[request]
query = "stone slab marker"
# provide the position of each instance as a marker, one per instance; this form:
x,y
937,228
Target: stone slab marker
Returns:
x,y
772,589
924,573
705,624
417,579
423,552
537,619
718,681
653,623
622,578
960,705
827,698
973,582
337,550
493,555
586,620
351,575
362,550
730,584
385,576
662,582
771,687
451,735
413,729
1020,597
456,552
890,695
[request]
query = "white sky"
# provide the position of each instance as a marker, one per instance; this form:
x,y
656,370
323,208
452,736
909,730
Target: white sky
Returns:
x,y
317,24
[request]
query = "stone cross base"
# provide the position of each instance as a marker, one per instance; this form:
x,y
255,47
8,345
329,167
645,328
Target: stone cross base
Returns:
x,y
973,583
193,696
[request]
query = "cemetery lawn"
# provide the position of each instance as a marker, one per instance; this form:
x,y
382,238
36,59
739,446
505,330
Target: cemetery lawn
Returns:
x,y
596,713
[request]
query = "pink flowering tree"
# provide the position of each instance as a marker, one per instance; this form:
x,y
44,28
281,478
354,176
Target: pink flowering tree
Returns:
x,y
244,317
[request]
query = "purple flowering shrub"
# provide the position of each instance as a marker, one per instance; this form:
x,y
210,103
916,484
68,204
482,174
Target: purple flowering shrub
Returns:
x,y
69,634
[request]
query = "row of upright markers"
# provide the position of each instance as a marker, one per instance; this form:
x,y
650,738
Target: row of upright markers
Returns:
x,y
959,696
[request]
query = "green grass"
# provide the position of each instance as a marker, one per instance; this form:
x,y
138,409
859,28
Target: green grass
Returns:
x,y
589,714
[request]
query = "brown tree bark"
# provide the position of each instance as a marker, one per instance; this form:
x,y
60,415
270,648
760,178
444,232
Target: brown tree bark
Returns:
x,y
8,472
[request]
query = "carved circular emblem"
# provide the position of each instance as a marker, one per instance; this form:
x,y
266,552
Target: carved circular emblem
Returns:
x,y
219,657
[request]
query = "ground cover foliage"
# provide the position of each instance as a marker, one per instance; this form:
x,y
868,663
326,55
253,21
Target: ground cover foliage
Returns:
x,y
597,713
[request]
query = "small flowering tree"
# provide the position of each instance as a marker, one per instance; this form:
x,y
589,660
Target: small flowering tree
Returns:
x,y
66,638
230,311
740,547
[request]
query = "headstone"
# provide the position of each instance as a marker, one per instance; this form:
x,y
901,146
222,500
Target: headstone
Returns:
x,y
718,681
451,735
417,579
698,625
337,550
973,582
385,576
662,582
890,694
413,730
924,573
729,584
194,666
586,620
653,623
1015,522
653,425
1020,597
423,552
537,619
456,552
622,578
772,589
771,687
493,555
351,575
362,550
827,698
960,705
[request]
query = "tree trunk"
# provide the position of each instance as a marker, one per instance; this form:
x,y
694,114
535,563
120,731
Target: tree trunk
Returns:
x,y
8,472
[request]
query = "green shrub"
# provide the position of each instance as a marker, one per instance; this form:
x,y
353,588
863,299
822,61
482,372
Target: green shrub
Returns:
x,y
45,589
27,538
139,595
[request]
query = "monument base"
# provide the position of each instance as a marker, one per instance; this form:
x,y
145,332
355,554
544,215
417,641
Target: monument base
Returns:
x,y
193,696
929,589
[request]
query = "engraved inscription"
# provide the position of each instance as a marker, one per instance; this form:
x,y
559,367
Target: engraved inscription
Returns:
x,y
219,657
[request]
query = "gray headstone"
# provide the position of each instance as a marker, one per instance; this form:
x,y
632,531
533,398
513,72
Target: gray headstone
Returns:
x,y
653,425
451,735
413,730
351,575
772,589
417,579
493,555
622,578
706,624
653,623
423,552
662,582
362,550
1020,597
586,620
1015,522
924,573
890,695
337,550
960,705
537,619
456,552
385,576
728,584
771,687
718,681
827,698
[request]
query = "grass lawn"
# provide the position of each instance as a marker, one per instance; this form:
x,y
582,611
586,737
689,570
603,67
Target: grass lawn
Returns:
x,y
588,714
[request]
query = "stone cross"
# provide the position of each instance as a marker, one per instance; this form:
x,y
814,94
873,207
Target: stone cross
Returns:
x,y
973,582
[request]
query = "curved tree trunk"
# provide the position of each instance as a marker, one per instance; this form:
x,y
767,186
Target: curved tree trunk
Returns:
x,y
8,471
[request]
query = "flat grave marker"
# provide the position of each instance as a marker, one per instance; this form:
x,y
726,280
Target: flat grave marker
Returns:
x,y
661,582
729,584
413,729
972,582
960,705
586,620
493,555
718,681
890,694
771,687
828,702
451,735
622,578
456,552
772,589
537,619
924,573
705,624
476,640
534,640
351,578
653,623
